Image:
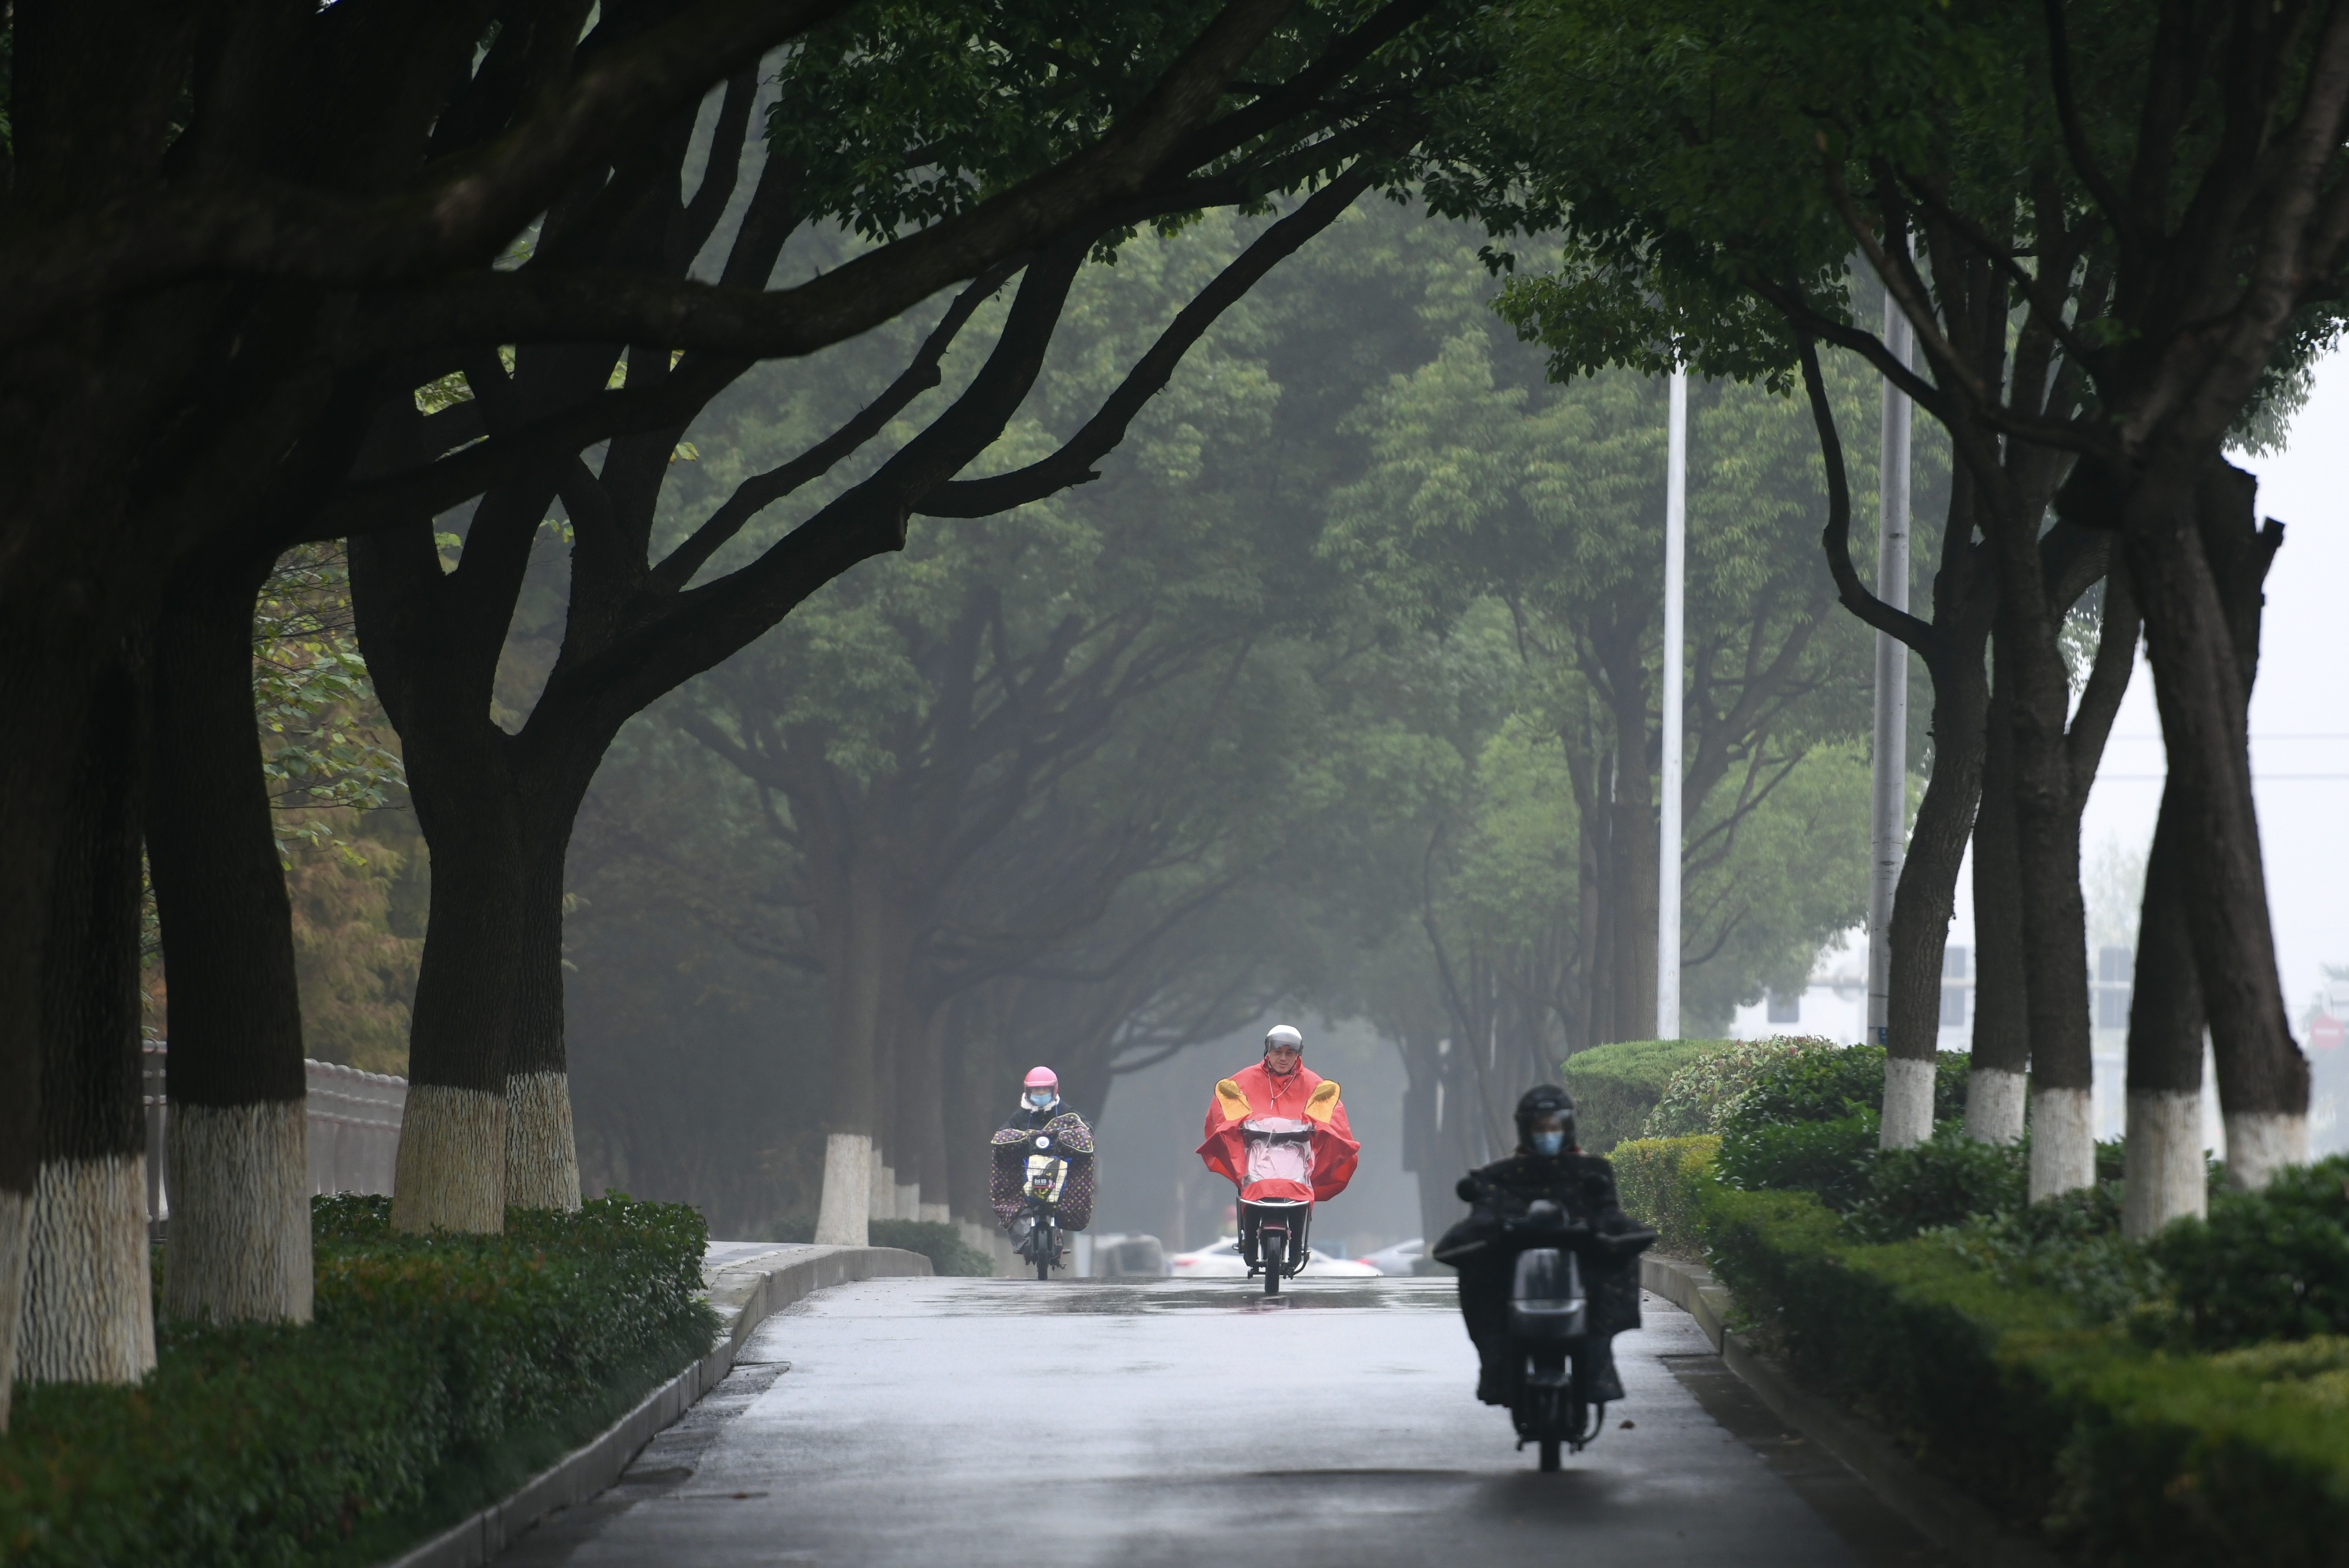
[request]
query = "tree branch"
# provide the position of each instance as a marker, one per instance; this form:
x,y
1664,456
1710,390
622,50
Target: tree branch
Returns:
x,y
1836,538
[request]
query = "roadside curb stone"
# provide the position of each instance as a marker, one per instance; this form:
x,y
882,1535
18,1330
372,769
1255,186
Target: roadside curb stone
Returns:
x,y
747,1284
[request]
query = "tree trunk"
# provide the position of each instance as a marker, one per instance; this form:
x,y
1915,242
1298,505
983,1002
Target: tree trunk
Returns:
x,y
1926,898
2179,536
2054,918
239,1159
88,1308
2163,1174
1636,840
2002,1033
542,1156
928,1131
452,1140
863,969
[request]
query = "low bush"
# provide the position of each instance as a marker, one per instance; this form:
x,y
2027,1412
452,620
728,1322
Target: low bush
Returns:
x,y
1694,1100
1832,1159
2271,1265
2010,1354
941,1244
1947,1181
272,1444
1615,1087
1829,1083
1655,1181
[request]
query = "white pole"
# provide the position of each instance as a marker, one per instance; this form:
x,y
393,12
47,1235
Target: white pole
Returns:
x,y
1887,827
1668,852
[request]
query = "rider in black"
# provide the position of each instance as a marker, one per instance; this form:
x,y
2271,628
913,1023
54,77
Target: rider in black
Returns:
x,y
1549,1165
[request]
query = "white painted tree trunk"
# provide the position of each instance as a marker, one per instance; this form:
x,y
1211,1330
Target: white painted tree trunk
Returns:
x,y
240,1182
541,1153
16,1226
2063,1142
452,1160
842,1215
1994,1103
2260,1143
1908,1103
2162,1162
89,1309
936,1214
881,1200
908,1205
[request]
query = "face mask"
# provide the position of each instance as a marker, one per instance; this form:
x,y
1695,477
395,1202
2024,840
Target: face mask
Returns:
x,y
1549,1142
1039,1100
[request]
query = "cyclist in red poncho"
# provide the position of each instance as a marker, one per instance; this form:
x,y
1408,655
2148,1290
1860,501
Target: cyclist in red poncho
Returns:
x,y
1280,1089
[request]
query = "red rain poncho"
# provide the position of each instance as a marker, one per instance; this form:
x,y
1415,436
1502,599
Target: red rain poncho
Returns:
x,y
1252,1092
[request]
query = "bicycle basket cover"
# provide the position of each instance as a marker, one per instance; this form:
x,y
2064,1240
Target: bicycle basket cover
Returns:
x,y
1279,1148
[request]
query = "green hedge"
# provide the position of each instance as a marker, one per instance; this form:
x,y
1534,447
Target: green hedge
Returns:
x,y
1653,1179
2015,1383
1615,1087
941,1244
273,1445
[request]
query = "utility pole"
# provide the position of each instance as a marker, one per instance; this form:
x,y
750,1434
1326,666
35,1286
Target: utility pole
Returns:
x,y
1889,813
1668,852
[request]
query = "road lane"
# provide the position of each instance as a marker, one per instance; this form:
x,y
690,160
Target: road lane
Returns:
x,y
944,1421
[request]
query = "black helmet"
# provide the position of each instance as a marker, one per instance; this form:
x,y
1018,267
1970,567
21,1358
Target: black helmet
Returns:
x,y
1544,1100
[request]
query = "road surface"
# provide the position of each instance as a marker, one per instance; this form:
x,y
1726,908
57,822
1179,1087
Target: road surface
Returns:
x,y
947,1422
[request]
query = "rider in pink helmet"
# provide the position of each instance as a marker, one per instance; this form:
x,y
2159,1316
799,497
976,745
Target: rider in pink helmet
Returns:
x,y
1065,1139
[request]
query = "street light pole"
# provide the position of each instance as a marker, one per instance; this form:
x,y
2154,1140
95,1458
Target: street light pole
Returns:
x,y
1887,827
1668,852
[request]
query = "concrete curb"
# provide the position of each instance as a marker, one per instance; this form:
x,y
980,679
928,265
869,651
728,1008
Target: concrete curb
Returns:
x,y
745,1290
1963,1528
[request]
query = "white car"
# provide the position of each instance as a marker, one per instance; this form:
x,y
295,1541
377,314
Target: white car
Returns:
x,y
1221,1260
1399,1259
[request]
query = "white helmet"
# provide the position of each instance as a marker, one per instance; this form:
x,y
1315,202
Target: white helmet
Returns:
x,y
1282,1035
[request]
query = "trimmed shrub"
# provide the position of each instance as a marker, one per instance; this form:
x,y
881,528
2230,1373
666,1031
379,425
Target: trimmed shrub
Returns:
x,y
1947,1181
1655,1178
2270,1264
1835,1160
1989,1353
1694,1101
1827,1083
941,1244
272,1444
1615,1087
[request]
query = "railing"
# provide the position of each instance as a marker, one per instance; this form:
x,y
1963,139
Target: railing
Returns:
x,y
353,1133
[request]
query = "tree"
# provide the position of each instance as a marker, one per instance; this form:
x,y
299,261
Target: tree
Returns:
x,y
213,285
2156,306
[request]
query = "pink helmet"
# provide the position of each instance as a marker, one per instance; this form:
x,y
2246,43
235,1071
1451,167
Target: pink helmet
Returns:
x,y
1042,1078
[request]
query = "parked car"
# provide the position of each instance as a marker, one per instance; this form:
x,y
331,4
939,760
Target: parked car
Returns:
x,y
1402,1258
1120,1256
1220,1259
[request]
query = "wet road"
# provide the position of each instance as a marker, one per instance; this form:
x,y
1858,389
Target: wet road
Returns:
x,y
944,1421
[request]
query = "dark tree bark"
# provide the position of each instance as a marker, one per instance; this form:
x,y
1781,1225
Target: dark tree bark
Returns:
x,y
2002,1031
86,1312
239,1172
2199,559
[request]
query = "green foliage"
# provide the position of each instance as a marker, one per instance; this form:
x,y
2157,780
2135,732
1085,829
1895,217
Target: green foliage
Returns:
x,y
1701,1093
1947,1181
2270,1264
1615,1087
942,1245
325,745
1834,1161
1829,1082
270,1444
1661,1182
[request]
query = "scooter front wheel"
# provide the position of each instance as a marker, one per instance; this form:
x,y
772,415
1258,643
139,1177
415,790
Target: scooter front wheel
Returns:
x,y
1549,1454
1273,1249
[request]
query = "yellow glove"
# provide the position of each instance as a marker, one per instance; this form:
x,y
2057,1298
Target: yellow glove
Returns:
x,y
1231,1102
1324,1103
